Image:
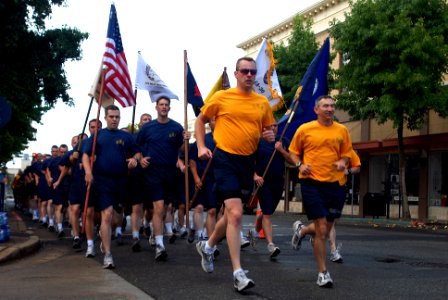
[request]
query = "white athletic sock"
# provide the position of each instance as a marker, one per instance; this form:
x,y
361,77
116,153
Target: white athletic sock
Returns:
x,y
135,234
209,249
90,243
159,240
118,231
169,228
51,222
44,219
60,227
236,271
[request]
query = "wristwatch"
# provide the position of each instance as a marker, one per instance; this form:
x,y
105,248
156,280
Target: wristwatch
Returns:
x,y
298,164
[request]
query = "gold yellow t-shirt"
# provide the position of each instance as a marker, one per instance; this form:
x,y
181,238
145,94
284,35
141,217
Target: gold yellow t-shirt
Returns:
x,y
240,118
352,163
321,146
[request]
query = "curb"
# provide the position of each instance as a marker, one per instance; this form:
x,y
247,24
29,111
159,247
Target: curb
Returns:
x,y
20,250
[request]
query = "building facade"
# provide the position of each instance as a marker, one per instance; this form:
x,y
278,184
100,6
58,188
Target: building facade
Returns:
x,y
377,145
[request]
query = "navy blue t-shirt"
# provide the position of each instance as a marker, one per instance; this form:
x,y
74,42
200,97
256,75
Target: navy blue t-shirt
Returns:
x,y
201,164
77,169
53,167
263,155
161,142
113,147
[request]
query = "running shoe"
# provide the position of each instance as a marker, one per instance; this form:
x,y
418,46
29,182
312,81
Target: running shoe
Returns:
x,y
335,256
61,234
297,238
244,242
136,245
324,280
161,254
183,232
90,251
207,258
241,282
273,250
76,243
152,241
108,262
252,239
172,238
191,234
51,228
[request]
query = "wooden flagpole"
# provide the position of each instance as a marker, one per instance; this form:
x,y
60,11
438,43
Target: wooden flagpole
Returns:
x,y
86,202
186,144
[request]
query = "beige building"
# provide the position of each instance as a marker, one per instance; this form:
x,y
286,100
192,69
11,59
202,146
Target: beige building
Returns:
x,y
426,149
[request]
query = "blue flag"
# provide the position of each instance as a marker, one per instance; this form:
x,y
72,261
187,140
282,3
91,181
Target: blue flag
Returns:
x,y
313,85
194,96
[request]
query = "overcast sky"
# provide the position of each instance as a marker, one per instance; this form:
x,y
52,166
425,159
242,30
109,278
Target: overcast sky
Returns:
x,y
161,30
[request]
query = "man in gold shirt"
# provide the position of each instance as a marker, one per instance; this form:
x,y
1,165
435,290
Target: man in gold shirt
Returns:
x,y
242,117
321,150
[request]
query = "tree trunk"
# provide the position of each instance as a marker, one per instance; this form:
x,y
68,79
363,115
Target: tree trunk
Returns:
x,y
402,167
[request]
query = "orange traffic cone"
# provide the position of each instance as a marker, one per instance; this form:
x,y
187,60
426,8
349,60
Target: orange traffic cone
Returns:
x,y
259,220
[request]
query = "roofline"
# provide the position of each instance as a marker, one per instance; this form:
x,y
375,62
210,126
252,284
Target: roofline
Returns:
x,y
288,23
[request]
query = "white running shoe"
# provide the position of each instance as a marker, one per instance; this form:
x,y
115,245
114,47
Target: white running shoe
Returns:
x,y
324,280
161,254
241,282
273,250
297,237
207,258
90,251
108,262
244,242
152,241
335,256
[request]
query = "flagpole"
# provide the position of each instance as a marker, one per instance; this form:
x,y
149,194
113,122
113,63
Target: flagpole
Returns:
x,y
86,202
254,194
133,111
187,163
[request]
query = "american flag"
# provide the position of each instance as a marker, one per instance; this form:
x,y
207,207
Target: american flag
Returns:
x,y
117,81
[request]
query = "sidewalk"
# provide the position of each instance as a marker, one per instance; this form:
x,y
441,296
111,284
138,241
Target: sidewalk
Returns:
x,y
22,241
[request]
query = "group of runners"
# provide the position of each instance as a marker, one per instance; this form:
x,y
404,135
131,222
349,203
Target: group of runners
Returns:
x,y
120,173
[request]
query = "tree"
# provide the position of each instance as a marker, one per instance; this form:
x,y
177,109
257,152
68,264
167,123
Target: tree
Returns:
x,y
32,77
395,55
293,60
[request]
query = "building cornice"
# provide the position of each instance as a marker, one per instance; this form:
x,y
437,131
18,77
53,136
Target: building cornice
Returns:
x,y
286,25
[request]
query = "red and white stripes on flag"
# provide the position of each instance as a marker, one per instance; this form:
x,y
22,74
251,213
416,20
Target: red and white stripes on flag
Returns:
x,y
117,82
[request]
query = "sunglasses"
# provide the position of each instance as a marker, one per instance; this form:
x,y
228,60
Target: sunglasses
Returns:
x,y
247,71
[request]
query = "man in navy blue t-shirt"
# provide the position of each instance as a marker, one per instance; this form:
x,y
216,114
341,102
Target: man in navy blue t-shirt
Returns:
x,y
160,141
115,153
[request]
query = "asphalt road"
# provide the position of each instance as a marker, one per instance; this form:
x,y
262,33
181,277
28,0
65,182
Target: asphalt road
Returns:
x,y
380,262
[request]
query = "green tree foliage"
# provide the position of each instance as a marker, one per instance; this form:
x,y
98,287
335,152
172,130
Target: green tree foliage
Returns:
x,y
395,54
293,59
32,77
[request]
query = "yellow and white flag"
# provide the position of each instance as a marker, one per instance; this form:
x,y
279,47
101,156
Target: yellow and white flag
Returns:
x,y
266,81
95,89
